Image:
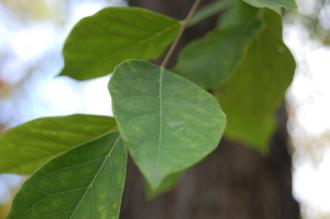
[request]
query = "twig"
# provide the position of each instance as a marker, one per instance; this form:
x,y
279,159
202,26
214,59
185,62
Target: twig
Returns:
x,y
184,24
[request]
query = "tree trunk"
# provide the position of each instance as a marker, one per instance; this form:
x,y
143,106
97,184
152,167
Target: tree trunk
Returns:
x,y
234,182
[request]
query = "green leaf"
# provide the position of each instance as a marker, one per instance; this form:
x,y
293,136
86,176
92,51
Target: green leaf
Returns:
x,y
253,94
275,5
209,10
211,60
85,182
99,42
166,185
28,146
239,14
168,122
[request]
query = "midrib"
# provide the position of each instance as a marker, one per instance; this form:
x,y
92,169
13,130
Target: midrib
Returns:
x,y
160,134
90,185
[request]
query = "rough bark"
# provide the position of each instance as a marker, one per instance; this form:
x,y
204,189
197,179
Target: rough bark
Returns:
x,y
234,182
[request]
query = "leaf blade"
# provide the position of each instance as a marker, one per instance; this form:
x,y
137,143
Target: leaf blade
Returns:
x,y
211,60
163,137
28,146
209,10
255,91
95,47
166,185
275,5
77,184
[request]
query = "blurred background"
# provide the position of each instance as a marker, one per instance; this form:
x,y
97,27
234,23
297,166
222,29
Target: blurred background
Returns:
x,y
31,38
